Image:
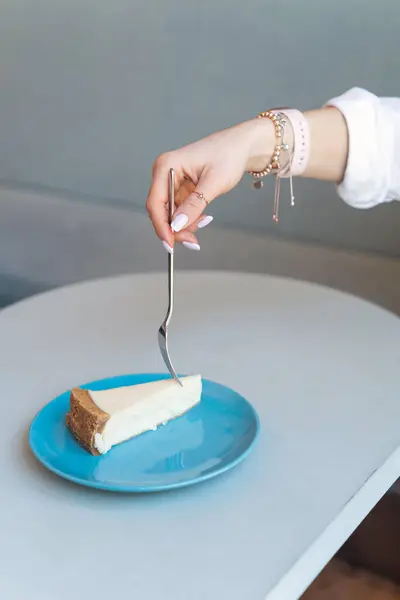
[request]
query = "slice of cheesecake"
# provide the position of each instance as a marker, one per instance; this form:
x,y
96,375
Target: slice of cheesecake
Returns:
x,y
102,419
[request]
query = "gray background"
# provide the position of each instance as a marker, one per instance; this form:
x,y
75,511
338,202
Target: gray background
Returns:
x,y
92,91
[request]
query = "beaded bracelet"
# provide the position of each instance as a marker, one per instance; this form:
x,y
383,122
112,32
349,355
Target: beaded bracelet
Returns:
x,y
274,166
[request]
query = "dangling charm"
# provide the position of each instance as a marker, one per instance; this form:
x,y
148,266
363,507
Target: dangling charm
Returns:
x,y
275,165
292,203
277,193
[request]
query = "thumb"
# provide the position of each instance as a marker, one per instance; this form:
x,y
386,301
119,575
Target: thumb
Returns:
x,y
193,207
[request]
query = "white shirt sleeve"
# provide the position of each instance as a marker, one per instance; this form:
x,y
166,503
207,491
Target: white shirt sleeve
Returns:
x,y
373,168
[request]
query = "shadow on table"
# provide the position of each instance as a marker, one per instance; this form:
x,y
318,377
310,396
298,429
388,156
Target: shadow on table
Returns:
x,y
374,546
46,482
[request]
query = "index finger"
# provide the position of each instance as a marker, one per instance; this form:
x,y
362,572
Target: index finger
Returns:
x,y
157,202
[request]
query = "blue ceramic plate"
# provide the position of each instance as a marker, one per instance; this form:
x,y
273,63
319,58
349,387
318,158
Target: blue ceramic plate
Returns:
x,y
211,438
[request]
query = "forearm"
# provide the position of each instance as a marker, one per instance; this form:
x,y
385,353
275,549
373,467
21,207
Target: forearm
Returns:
x,y
328,144
355,144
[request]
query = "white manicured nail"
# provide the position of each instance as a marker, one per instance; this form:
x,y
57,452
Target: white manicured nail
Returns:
x,y
168,248
204,222
179,222
191,246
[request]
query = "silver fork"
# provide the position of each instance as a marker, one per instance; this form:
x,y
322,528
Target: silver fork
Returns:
x,y
163,331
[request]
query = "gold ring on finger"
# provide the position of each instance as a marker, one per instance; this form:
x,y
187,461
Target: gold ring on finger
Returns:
x,y
201,196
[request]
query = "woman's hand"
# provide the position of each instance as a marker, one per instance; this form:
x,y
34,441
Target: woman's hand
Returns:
x,y
203,171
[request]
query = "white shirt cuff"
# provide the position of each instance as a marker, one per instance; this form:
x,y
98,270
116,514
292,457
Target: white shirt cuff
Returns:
x,y
367,177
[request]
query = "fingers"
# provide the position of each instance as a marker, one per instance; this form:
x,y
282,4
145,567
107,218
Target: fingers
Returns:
x,y
191,203
188,240
186,237
157,202
204,221
189,213
200,223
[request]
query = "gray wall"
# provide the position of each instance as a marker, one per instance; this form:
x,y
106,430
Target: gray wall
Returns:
x,y
48,241
92,90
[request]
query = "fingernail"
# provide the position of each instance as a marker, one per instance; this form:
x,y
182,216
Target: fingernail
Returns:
x,y
179,222
191,246
205,221
168,248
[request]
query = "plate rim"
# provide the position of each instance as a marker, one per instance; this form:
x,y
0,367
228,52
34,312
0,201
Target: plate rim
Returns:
x,y
139,489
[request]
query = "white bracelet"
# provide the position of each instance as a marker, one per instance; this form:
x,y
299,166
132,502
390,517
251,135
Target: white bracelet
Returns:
x,y
301,142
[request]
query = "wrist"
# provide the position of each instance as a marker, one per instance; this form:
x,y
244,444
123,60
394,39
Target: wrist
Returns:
x,y
261,143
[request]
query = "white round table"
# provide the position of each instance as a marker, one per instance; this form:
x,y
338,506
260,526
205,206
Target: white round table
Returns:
x,y
322,370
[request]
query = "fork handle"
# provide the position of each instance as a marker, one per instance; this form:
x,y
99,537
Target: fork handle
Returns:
x,y
171,208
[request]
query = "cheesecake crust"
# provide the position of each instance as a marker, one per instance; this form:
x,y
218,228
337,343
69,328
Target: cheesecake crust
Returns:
x,y
85,419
